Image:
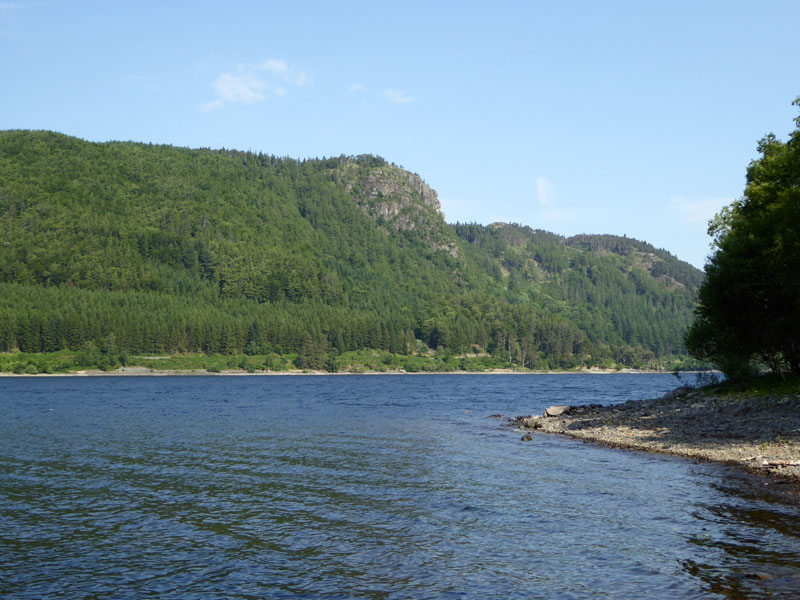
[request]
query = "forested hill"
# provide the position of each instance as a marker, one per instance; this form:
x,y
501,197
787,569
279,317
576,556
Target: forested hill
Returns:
x,y
165,249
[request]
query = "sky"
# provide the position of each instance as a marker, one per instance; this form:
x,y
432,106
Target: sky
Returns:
x,y
634,118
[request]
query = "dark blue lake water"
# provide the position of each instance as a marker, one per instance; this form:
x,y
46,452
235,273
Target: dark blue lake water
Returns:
x,y
364,487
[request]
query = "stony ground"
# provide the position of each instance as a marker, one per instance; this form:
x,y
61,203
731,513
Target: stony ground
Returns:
x,y
759,433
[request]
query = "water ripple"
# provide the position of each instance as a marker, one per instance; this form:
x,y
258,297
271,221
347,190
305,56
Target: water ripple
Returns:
x,y
363,487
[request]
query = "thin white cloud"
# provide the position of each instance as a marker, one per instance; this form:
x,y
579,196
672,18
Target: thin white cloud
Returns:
x,y
357,88
550,213
696,211
398,97
213,105
279,67
244,86
301,79
545,191
253,83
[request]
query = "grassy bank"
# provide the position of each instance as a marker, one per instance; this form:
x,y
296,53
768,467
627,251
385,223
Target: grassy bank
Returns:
x,y
365,361
362,361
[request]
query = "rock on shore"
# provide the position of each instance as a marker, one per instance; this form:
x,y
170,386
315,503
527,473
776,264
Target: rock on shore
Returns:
x,y
759,433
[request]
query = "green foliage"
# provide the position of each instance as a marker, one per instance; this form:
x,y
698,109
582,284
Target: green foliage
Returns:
x,y
622,294
749,306
21,362
105,355
120,249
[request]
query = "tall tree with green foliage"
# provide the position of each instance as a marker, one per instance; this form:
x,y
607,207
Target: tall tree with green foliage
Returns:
x,y
749,305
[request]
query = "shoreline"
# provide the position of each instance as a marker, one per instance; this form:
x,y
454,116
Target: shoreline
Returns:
x,y
148,372
760,434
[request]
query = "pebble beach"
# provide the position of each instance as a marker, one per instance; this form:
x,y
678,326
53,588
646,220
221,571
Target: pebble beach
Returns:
x,y
760,434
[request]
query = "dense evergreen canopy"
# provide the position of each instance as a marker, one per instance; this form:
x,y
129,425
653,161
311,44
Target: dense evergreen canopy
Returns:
x,y
165,249
749,309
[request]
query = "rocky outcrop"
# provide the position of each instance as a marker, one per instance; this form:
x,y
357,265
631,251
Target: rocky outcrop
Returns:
x,y
396,189
398,200
760,433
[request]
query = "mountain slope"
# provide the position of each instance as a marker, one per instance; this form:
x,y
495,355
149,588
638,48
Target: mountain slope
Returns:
x,y
173,249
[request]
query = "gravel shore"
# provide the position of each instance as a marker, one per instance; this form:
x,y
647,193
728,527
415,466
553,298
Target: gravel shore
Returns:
x,y
761,434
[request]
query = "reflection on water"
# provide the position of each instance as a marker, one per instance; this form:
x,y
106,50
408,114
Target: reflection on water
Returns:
x,y
364,487
750,542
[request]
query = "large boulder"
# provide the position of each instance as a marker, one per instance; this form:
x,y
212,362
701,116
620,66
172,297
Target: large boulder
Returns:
x,y
557,411
678,392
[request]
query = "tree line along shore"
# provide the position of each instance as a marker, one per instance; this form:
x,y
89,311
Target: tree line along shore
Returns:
x,y
139,249
94,361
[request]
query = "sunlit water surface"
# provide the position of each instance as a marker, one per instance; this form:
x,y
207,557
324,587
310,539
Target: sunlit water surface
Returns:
x,y
364,487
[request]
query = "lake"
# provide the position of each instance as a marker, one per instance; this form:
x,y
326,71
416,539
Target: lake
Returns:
x,y
364,487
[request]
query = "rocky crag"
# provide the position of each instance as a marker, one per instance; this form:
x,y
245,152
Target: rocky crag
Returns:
x,y
398,200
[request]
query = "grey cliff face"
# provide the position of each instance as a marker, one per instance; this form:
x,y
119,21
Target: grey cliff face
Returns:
x,y
395,195
401,186
399,200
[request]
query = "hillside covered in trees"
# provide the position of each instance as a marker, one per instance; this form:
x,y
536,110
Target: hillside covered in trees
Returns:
x,y
158,249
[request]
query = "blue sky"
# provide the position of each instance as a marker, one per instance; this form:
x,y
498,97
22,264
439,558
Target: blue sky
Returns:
x,y
635,118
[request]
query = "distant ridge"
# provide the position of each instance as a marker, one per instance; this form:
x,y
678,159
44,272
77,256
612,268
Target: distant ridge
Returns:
x,y
165,249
